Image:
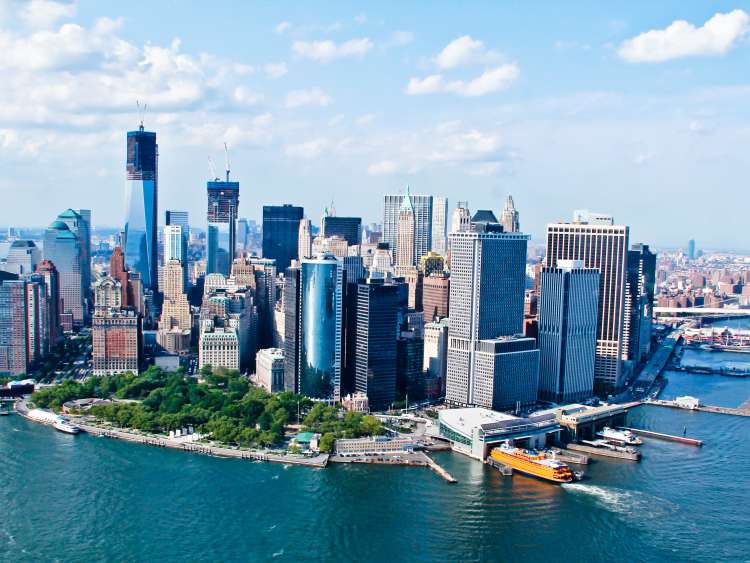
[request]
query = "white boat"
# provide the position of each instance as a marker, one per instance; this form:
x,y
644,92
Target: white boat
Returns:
x,y
64,426
621,436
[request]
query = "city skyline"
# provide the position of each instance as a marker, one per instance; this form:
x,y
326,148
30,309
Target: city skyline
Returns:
x,y
463,110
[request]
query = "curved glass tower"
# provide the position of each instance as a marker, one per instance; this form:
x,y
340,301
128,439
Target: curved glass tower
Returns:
x,y
320,346
141,197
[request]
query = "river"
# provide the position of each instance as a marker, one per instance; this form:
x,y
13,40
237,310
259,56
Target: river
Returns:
x,y
79,498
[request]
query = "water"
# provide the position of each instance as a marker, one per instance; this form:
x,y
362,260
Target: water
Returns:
x,y
78,498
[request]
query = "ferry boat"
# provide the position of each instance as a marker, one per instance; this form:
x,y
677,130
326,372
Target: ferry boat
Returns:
x,y
63,425
621,436
532,462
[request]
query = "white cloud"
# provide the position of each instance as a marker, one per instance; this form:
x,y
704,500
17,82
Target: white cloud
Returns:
x,y
44,13
643,158
399,39
365,119
337,119
360,19
307,150
313,96
463,51
682,39
282,27
276,70
382,168
245,96
489,81
327,51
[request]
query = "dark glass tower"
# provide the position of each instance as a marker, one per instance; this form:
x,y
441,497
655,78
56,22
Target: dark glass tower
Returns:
x,y
348,228
223,202
281,233
141,194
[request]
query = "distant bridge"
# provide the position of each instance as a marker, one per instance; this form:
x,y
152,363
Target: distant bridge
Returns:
x,y
702,311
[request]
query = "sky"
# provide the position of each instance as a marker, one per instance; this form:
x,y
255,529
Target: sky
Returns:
x,y
638,109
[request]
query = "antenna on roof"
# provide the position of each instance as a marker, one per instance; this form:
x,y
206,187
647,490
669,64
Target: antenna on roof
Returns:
x,y
212,168
141,113
226,157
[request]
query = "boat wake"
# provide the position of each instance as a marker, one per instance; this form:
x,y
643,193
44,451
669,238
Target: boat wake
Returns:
x,y
624,502
278,554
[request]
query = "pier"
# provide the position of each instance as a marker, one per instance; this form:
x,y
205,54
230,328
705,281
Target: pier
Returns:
x,y
665,437
501,467
432,464
742,410
603,452
709,370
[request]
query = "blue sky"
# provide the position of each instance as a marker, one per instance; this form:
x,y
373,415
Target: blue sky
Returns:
x,y
638,109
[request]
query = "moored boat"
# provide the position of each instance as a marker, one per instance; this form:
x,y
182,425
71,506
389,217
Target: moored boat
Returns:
x,y
63,425
621,436
533,463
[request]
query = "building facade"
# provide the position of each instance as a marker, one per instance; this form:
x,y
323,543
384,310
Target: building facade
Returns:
x,y
269,369
117,341
440,225
422,206
281,233
221,213
348,228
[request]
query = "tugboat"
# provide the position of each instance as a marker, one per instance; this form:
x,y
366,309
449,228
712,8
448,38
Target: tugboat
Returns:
x,y
533,462
620,436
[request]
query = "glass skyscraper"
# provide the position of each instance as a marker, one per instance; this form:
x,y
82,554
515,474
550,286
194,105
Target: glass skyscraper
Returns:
x,y
223,202
141,197
281,233
321,327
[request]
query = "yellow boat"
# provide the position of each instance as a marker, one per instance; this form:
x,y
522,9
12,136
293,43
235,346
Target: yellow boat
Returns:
x,y
532,462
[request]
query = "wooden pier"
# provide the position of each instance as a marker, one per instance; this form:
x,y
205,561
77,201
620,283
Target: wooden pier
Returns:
x,y
742,410
661,436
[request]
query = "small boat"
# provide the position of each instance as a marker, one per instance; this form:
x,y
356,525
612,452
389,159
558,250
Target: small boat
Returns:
x,y
64,426
532,462
621,436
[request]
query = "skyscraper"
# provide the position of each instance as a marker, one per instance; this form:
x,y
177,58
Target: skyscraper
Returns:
x,y
141,195
595,240
48,271
348,228
176,319
292,327
304,245
691,249
117,340
405,236
23,256
440,225
221,239
375,335
79,223
175,248
174,218
509,217
461,218
486,303
422,206
321,327
62,248
639,298
568,315
281,233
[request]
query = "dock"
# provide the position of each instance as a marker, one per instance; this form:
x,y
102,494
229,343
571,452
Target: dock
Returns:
x,y
501,467
603,452
569,457
665,437
742,410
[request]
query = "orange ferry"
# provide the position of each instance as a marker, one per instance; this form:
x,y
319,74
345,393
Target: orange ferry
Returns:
x,y
532,462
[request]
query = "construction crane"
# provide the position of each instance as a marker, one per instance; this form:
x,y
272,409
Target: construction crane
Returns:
x,y
226,158
212,169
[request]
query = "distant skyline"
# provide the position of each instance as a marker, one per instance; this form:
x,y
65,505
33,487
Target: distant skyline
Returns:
x,y
635,109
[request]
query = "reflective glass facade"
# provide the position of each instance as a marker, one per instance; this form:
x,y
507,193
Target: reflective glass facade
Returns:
x,y
320,346
223,202
141,196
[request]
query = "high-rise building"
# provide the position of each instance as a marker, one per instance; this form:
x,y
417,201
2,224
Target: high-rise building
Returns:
x,y
435,296
265,292
281,233
142,196
440,225
486,303
107,294
568,313
221,238
23,256
436,356
506,373
176,319
432,263
639,298
321,328
405,236
509,217
269,370
304,245
292,327
334,245
117,340
422,208
461,218
14,351
595,240
62,248
47,270
79,223
691,249
175,247
348,228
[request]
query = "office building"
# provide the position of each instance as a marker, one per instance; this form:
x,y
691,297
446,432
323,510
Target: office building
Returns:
x,y
24,323
142,196
432,263
506,373
484,216
269,369
440,225
348,228
47,270
219,347
79,223
292,327
221,213
117,340
435,296
320,345
461,218
435,358
62,248
175,323
176,247
409,359
422,209
486,303
23,256
375,322
691,249
265,293
594,239
281,233
107,294
405,237
330,245
509,217
414,279
639,298
304,245
568,313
